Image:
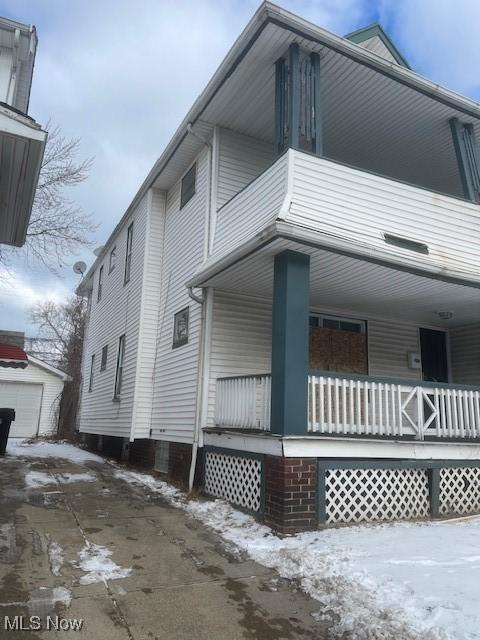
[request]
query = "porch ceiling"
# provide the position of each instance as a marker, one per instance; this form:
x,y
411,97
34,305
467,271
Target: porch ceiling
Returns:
x,y
347,285
369,119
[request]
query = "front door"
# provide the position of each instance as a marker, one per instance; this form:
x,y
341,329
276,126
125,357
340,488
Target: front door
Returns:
x,y
433,345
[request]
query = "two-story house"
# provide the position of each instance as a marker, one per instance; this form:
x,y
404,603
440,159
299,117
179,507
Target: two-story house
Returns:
x,y
22,141
291,302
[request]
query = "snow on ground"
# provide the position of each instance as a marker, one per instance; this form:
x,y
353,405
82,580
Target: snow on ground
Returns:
x,y
68,478
98,566
42,449
35,479
407,581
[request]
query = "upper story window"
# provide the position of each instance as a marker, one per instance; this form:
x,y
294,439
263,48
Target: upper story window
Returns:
x,y
113,260
180,328
103,361
128,254
100,284
119,370
188,185
92,369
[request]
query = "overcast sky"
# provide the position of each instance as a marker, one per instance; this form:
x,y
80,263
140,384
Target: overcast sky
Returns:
x,y
121,75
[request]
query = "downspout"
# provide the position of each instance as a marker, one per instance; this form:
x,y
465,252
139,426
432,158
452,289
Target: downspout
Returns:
x,y
202,301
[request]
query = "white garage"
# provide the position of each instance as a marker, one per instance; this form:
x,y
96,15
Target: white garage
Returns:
x,y
34,393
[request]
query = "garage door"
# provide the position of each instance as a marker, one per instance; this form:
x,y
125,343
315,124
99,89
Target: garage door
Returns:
x,y
26,399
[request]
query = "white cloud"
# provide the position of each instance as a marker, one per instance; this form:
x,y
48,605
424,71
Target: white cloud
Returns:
x,y
19,290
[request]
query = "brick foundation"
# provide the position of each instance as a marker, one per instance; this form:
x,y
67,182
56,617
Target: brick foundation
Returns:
x,y
290,494
179,459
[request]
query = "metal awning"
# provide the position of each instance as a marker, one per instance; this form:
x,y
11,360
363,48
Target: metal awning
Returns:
x,y
12,356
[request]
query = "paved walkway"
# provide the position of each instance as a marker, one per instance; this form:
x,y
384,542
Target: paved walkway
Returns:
x,y
184,583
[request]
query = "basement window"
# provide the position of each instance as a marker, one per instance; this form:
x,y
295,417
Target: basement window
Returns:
x,y
188,186
161,457
180,328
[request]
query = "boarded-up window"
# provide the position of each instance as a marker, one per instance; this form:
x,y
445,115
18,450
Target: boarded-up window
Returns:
x,y
338,344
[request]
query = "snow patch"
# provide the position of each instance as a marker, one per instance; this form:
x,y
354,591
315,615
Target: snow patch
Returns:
x,y
96,562
68,478
35,479
42,449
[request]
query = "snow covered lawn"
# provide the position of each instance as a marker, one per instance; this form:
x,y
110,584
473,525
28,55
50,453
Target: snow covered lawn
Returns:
x,y
393,581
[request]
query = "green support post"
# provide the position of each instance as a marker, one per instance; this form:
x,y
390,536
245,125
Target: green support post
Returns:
x,y
290,343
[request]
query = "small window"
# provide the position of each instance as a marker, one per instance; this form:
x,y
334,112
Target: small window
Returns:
x,y
119,369
113,260
128,254
92,369
180,328
337,323
188,185
103,361
100,284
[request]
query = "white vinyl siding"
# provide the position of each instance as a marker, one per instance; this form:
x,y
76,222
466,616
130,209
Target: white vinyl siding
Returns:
x,y
241,342
52,387
118,314
465,354
175,379
240,160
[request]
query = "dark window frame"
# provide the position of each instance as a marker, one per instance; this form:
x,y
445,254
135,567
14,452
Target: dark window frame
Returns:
x,y
128,254
117,391
189,185
92,371
113,252
100,283
179,341
104,358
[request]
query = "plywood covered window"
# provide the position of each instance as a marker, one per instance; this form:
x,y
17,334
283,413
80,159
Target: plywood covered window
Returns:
x,y
188,185
338,344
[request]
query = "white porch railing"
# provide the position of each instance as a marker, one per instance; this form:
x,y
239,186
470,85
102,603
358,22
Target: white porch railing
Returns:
x,y
243,402
372,406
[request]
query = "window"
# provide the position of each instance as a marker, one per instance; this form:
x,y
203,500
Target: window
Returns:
x,y
100,284
103,361
119,370
92,369
128,254
188,186
338,323
180,328
113,260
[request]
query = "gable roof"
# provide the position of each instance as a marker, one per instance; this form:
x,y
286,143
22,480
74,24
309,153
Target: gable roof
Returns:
x,y
375,32
50,368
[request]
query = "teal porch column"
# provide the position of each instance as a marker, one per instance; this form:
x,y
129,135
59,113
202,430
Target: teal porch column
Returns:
x,y
290,343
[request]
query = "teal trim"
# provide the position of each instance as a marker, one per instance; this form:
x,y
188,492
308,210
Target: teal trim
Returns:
x,y
321,496
280,115
386,380
373,30
394,464
463,161
317,130
434,489
241,454
294,96
290,340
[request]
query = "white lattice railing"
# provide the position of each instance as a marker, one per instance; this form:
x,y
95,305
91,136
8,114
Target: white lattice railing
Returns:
x,y
243,402
361,405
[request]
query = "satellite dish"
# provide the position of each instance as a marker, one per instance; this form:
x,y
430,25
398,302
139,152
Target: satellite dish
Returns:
x,y
80,267
98,251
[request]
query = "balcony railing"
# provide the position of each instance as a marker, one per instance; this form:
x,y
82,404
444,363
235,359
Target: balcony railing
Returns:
x,y
342,404
244,402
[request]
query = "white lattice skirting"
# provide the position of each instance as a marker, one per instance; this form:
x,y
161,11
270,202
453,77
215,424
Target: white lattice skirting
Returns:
x,y
459,490
368,495
234,478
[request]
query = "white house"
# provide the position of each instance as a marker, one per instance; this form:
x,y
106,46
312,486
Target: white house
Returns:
x,y
21,139
292,300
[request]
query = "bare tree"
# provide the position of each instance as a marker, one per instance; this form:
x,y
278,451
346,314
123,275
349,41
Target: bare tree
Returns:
x,y
64,323
58,227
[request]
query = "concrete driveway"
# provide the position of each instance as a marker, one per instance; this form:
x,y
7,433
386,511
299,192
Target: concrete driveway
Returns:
x,y
78,544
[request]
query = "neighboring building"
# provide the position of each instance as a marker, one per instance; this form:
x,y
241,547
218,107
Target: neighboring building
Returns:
x,y
29,386
22,140
294,292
